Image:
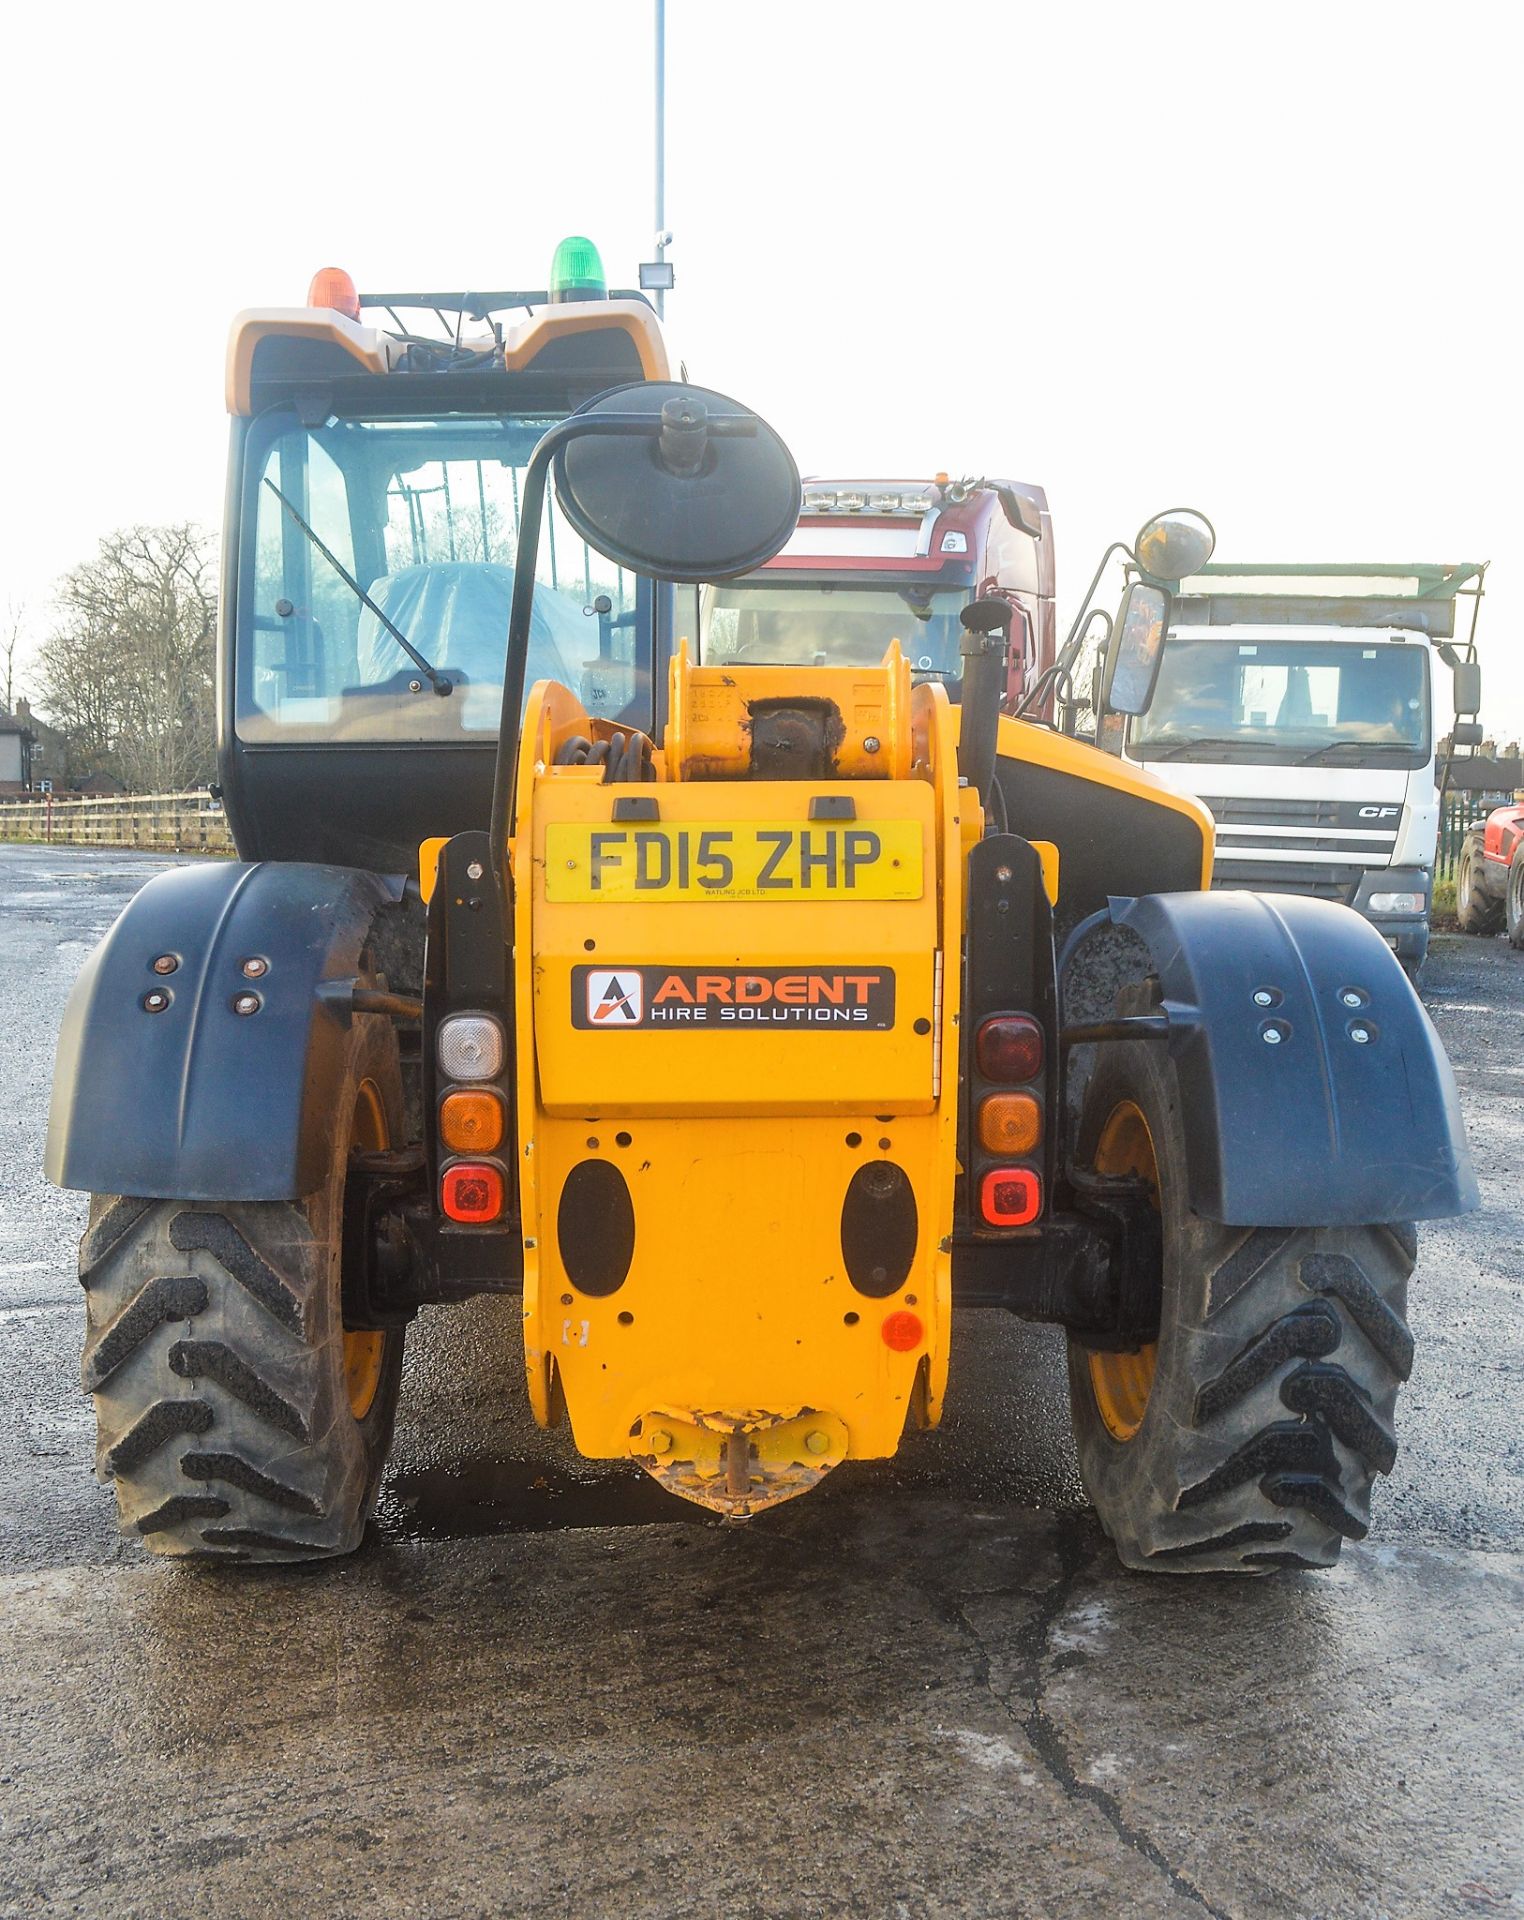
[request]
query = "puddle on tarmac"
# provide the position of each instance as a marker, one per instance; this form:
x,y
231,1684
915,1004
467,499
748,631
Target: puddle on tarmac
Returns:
x,y
470,1498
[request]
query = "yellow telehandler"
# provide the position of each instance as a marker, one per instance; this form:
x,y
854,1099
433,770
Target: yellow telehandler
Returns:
x,y
748,1020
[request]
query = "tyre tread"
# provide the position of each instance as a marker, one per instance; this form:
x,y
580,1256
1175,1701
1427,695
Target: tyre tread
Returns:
x,y
180,1507
232,1470
1388,1332
216,1361
1310,1331
167,1297
1329,1394
215,1234
165,1420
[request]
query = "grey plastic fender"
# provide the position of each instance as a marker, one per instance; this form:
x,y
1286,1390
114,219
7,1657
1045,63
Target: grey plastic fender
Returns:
x,y
1315,1126
196,1101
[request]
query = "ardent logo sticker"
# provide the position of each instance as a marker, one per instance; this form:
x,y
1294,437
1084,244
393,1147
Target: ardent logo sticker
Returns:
x,y
614,999
611,1000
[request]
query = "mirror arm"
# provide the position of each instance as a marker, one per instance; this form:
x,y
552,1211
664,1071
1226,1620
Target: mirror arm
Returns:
x,y
531,515
1068,653
505,770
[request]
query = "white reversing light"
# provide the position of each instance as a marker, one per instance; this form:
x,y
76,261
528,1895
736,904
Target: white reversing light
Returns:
x,y
470,1048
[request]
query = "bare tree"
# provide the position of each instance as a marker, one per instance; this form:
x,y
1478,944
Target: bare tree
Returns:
x,y
10,640
128,670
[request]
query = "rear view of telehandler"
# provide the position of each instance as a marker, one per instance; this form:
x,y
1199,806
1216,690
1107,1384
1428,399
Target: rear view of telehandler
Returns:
x,y
724,1020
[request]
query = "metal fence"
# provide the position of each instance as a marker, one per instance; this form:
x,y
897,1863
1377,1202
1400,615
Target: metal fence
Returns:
x,y
195,822
1460,808
165,822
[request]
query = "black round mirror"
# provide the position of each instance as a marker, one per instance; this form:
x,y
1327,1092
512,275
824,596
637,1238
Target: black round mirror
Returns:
x,y
709,492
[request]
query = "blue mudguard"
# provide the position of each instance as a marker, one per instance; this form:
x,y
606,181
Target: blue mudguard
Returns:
x,y
196,1101
1317,1125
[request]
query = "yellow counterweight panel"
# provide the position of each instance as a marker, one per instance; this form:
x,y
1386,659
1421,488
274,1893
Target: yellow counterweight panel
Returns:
x,y
709,736
756,1050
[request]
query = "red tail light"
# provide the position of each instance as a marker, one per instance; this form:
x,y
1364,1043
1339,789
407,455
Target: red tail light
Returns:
x,y
332,287
1010,1197
471,1193
1009,1047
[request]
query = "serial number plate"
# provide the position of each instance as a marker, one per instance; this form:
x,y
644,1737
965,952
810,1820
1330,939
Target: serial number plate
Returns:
x,y
861,860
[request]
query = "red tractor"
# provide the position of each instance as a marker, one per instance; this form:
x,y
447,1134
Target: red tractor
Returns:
x,y
1489,889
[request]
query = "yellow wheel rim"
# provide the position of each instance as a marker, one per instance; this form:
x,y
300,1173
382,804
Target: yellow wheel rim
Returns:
x,y
1122,1382
364,1352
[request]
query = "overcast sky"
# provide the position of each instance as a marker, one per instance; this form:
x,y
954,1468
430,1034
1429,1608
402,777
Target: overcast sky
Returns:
x,y
1260,260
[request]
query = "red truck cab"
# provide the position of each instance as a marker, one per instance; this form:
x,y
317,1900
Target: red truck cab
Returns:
x,y
878,560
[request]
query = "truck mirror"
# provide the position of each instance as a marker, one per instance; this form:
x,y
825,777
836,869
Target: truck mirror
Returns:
x,y
1175,544
1132,660
685,484
1468,686
1466,733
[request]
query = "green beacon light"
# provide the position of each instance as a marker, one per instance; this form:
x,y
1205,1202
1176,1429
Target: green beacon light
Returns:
x,y
576,272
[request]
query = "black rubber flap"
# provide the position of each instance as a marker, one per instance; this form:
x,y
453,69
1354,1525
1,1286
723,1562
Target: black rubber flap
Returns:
x,y
595,1227
879,1228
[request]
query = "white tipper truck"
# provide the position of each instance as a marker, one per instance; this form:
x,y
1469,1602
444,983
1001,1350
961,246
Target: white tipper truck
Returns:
x,y
1298,703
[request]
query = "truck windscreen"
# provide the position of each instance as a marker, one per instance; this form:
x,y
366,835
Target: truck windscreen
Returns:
x,y
830,626
1349,703
422,516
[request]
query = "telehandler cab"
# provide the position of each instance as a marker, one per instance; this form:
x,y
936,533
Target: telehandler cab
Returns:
x,y
737,1015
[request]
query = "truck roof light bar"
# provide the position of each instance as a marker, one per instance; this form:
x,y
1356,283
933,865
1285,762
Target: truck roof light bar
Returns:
x,y
908,498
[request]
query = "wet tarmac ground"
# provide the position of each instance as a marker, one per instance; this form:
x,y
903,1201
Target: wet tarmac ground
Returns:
x,y
546,1687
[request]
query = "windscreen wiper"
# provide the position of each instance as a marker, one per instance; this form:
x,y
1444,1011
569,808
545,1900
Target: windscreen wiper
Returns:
x,y
1152,750
436,680
1378,747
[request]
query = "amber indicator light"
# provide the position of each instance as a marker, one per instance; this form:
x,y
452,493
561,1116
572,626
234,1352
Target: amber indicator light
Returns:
x,y
473,1122
1010,1197
1009,1047
471,1194
1010,1124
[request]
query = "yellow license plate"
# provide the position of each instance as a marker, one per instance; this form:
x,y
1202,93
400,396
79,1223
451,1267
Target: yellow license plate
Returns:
x,y
754,860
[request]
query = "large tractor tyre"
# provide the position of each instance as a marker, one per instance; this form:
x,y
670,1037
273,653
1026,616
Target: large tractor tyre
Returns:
x,y
1476,909
1515,902
1247,1436
238,1417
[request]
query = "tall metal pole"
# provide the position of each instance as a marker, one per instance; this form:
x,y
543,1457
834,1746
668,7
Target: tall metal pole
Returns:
x,y
661,144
